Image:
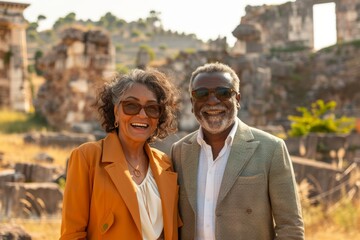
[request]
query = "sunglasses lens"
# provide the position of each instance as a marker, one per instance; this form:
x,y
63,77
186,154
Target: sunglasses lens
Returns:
x,y
223,93
200,94
153,111
133,108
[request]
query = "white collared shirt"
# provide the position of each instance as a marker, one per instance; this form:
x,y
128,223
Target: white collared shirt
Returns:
x,y
210,174
150,209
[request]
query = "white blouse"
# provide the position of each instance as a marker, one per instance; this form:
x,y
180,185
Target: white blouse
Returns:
x,y
150,207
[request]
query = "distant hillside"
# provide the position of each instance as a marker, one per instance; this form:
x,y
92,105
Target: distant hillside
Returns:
x,y
127,37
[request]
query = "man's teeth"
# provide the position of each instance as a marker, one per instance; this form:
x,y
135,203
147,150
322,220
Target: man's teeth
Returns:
x,y
213,112
142,125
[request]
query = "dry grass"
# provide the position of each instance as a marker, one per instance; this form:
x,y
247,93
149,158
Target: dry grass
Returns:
x,y
14,150
39,229
330,231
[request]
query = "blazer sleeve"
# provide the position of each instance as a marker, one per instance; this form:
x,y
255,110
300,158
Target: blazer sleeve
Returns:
x,y
77,194
284,197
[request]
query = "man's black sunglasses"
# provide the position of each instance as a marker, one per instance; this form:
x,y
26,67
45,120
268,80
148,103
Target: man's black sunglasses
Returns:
x,y
152,110
221,93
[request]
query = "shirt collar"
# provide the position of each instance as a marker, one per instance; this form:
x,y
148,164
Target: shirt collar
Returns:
x,y
229,140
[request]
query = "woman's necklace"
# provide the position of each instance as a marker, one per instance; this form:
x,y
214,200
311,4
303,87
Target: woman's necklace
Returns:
x,y
136,171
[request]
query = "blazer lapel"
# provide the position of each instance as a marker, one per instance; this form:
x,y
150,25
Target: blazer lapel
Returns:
x,y
167,185
120,175
190,162
241,151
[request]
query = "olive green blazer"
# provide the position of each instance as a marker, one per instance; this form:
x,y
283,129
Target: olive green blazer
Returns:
x,y
258,198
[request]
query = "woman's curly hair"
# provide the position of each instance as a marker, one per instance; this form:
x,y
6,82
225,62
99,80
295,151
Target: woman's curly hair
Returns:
x,y
166,93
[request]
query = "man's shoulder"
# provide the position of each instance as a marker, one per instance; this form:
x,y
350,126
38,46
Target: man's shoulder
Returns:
x,y
255,133
262,135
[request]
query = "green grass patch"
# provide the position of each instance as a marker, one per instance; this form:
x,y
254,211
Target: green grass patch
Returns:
x,y
20,122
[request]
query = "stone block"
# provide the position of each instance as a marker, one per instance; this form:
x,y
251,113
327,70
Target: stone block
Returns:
x,y
35,172
77,48
30,199
10,176
13,232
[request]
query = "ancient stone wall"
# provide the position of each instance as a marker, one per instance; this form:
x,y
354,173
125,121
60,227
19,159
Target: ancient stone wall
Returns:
x,y
73,70
290,25
272,86
14,87
348,20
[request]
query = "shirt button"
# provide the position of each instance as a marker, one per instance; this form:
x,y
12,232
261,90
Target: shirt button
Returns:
x,y
249,211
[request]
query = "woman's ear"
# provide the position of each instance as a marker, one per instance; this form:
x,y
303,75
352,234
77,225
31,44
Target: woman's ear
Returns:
x,y
116,110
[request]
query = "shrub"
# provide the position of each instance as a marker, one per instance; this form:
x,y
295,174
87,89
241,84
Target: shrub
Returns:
x,y
319,119
20,122
121,68
149,50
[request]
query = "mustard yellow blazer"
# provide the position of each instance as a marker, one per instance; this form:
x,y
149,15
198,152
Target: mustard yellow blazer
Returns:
x,y
100,200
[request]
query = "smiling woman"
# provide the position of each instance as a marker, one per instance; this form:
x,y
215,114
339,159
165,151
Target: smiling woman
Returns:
x,y
121,176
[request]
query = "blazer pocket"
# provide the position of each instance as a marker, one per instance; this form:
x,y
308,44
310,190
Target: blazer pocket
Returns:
x,y
259,178
106,223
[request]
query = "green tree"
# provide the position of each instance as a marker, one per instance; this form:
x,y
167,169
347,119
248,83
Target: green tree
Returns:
x,y
108,21
41,18
154,18
68,19
135,33
32,27
141,23
37,56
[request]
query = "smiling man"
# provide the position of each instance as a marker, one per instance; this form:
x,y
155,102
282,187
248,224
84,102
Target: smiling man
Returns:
x,y
236,182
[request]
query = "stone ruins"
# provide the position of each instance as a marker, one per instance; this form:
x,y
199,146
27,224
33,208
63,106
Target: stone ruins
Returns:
x,y
14,87
288,25
73,70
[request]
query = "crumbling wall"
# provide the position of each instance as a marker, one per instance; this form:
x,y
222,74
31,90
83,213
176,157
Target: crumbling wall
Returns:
x,y
348,20
14,87
73,70
4,66
290,25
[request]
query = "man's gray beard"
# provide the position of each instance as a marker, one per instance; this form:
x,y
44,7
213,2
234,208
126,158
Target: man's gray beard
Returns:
x,y
223,124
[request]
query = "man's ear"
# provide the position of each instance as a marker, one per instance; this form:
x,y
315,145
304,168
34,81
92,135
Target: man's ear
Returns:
x,y
192,105
238,98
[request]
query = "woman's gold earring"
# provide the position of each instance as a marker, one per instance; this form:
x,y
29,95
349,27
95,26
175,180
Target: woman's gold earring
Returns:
x,y
116,124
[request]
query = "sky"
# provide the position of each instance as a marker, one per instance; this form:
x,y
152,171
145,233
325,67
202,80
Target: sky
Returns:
x,y
208,19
